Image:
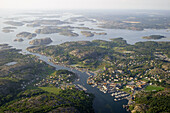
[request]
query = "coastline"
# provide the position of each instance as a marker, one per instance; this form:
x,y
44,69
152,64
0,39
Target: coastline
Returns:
x,y
88,73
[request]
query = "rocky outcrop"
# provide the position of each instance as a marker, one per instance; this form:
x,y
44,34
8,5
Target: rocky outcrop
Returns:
x,y
33,25
69,33
91,34
14,23
26,35
43,41
83,54
19,40
87,33
7,30
155,37
47,30
102,33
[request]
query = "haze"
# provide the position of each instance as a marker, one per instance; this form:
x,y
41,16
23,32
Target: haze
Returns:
x,y
85,4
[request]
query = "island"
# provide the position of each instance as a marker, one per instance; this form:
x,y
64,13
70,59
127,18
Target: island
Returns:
x,y
42,41
87,28
27,35
18,40
14,23
87,33
102,33
131,21
62,30
8,29
48,30
49,22
80,19
155,37
91,34
69,33
33,25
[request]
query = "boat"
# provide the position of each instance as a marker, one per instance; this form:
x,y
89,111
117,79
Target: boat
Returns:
x,y
81,87
112,94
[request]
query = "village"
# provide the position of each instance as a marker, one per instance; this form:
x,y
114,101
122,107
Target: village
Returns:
x,y
63,80
120,87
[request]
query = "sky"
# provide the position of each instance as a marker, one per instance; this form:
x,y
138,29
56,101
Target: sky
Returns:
x,y
85,4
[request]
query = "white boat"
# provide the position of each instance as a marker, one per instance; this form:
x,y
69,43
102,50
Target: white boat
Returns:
x,y
112,94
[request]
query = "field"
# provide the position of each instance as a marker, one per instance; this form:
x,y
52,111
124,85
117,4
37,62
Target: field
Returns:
x,y
51,89
153,88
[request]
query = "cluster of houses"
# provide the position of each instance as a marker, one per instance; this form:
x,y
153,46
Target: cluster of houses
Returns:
x,y
55,80
136,85
114,83
60,82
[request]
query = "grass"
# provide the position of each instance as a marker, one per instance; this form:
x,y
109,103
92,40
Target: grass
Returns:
x,y
9,78
119,49
153,88
127,90
51,89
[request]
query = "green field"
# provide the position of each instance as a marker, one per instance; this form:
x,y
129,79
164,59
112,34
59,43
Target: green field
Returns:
x,y
51,89
127,90
153,88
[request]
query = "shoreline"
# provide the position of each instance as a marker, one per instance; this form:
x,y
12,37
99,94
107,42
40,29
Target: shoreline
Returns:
x,y
88,73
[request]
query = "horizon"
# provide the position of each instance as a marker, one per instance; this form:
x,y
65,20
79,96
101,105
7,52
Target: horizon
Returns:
x,y
84,5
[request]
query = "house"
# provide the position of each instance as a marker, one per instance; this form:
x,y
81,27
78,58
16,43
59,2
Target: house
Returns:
x,y
105,87
132,87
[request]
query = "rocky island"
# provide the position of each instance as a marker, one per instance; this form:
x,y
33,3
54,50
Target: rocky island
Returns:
x,y
87,28
8,29
69,33
27,35
62,30
102,33
91,34
43,41
49,22
33,25
87,33
18,40
14,23
48,30
155,37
